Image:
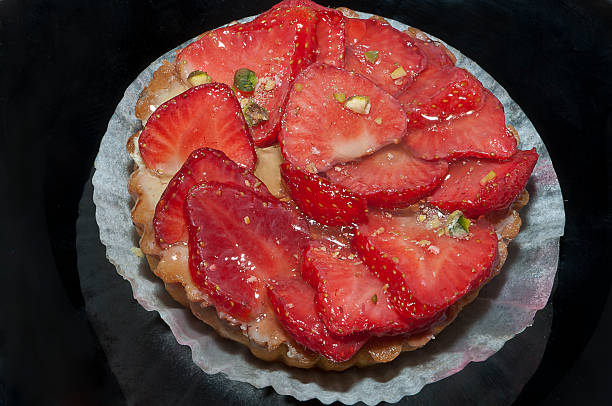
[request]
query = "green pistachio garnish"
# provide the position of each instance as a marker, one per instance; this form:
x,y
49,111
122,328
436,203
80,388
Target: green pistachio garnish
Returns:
x,y
253,113
374,299
245,80
371,56
489,176
399,72
358,104
457,225
198,77
340,97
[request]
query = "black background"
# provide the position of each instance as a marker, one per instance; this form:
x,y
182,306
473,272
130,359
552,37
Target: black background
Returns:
x,y
65,65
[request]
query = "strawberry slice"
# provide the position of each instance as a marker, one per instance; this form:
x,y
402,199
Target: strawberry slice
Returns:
x,y
383,54
441,94
426,269
391,177
204,164
329,31
238,242
436,54
335,116
482,134
320,200
350,298
204,116
275,46
293,302
477,186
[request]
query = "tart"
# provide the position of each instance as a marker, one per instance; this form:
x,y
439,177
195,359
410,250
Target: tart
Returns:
x,y
323,189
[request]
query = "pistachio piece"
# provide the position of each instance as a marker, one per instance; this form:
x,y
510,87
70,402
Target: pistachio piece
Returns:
x,y
457,225
245,80
489,176
371,56
340,97
253,113
270,84
358,104
399,72
374,299
198,77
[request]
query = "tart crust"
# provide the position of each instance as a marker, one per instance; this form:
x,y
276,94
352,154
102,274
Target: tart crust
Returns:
x,y
270,343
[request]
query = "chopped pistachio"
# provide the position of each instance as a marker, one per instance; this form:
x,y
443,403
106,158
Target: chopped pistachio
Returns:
x,y
270,84
358,104
489,176
253,113
374,299
299,87
245,80
399,72
378,120
457,225
340,97
371,56
198,77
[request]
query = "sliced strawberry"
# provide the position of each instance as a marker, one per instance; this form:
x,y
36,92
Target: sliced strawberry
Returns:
x,y
320,200
204,116
329,31
441,94
238,242
391,177
319,130
426,269
482,134
383,54
204,164
293,301
350,298
276,46
477,186
436,54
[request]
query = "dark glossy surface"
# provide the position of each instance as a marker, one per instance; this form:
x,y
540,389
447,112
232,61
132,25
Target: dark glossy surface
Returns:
x,y
65,65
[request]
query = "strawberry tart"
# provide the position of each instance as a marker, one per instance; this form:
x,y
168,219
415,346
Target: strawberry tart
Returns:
x,y
327,190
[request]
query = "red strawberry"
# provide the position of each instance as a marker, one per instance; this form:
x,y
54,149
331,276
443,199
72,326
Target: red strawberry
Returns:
x,y
441,94
238,242
391,177
477,186
204,164
426,269
381,53
436,54
350,298
482,134
293,301
204,116
322,201
329,31
275,46
334,116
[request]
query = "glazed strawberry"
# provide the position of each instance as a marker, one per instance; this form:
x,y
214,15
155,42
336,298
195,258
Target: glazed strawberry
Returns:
x,y
440,94
350,298
383,54
270,50
391,177
482,134
322,201
293,301
428,260
335,116
204,164
238,242
329,31
204,116
478,186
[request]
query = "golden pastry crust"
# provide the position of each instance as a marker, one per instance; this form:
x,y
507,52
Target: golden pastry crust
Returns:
x,y
146,188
